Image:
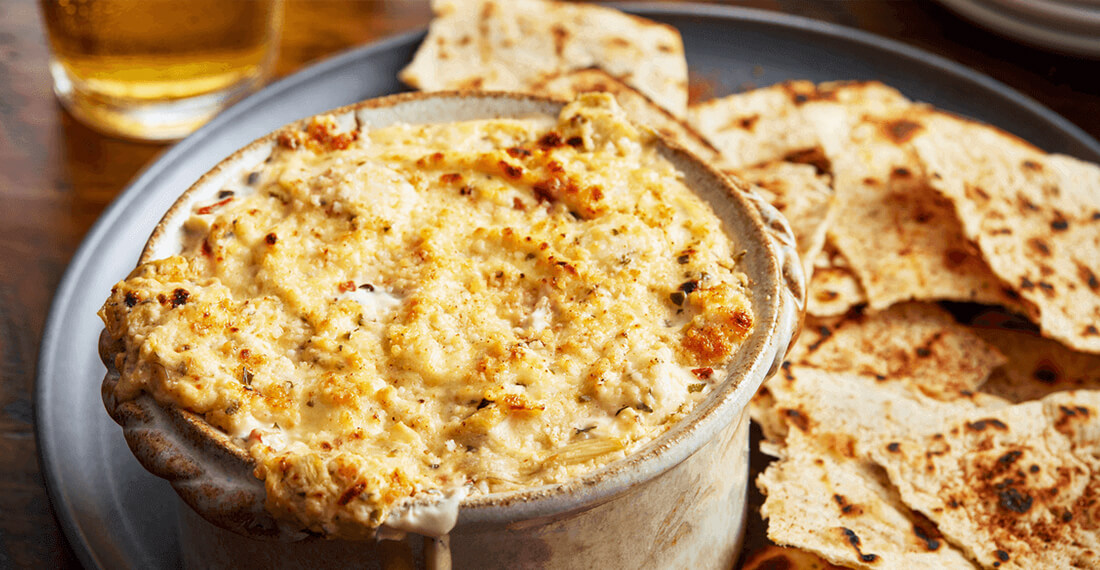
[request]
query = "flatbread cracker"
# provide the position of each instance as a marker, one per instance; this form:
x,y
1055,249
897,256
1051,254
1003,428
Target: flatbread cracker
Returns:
x,y
1017,487
844,510
1035,218
640,108
834,289
1037,366
756,127
512,45
900,236
847,407
803,196
767,124
762,406
918,344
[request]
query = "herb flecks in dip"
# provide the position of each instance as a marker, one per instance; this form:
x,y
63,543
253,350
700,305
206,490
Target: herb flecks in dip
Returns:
x,y
493,304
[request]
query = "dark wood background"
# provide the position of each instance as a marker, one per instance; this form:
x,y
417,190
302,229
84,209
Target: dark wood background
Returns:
x,y
56,176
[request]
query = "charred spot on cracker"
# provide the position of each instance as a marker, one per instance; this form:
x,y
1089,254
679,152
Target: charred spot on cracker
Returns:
x,y
847,508
1067,416
1013,500
786,368
748,123
980,425
1025,205
901,130
1088,276
853,540
825,332
814,157
900,172
926,532
560,35
797,418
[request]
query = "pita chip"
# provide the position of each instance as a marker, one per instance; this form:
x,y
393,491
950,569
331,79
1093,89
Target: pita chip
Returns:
x,y
1035,218
767,124
757,126
901,238
640,108
846,407
844,510
515,44
762,406
918,344
1017,487
834,289
803,196
1037,366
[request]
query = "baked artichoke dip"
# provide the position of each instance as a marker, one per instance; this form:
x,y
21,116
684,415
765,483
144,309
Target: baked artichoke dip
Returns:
x,y
380,316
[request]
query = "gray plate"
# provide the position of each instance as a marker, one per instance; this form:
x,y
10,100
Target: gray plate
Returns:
x,y
116,515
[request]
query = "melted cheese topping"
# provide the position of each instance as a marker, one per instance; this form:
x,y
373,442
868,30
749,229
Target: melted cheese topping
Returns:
x,y
413,309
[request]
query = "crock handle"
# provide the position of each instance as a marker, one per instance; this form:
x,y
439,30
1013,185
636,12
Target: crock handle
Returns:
x,y
214,480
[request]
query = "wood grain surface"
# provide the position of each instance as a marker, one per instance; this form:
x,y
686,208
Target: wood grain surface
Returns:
x,y
57,175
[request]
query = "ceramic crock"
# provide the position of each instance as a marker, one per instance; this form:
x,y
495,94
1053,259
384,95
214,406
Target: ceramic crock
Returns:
x,y
677,502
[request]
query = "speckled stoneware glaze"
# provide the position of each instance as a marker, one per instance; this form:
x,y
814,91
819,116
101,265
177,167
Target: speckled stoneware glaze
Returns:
x,y
678,502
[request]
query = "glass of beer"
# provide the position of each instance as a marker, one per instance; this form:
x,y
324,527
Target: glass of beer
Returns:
x,y
158,69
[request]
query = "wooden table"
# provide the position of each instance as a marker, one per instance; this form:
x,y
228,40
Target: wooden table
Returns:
x,y
56,176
